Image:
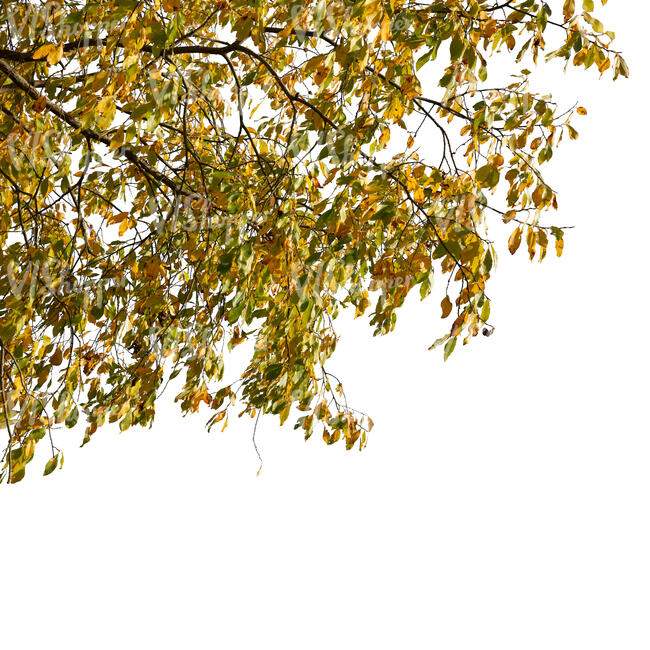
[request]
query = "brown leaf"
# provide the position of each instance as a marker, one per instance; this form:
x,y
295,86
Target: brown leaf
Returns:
x,y
40,104
446,306
57,357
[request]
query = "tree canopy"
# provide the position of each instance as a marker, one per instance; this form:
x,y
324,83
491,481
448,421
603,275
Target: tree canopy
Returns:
x,y
181,176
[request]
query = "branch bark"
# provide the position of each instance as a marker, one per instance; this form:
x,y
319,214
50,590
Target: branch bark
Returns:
x,y
72,121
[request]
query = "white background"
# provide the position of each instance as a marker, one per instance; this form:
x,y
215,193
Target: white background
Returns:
x,y
503,501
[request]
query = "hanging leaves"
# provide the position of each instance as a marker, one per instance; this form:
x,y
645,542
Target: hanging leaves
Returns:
x,y
171,193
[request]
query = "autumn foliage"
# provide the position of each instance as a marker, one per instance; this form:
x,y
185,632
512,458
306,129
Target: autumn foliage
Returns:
x,y
179,177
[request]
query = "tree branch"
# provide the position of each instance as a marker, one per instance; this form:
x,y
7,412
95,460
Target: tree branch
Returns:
x,y
128,153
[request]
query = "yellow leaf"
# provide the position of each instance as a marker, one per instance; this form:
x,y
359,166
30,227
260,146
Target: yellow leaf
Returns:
x,y
286,31
569,9
531,240
542,241
604,65
385,137
44,50
364,303
384,32
582,110
105,104
218,417
117,140
28,448
152,268
106,111
395,110
514,241
55,54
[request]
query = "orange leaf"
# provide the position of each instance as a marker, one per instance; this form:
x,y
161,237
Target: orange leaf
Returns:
x,y
40,104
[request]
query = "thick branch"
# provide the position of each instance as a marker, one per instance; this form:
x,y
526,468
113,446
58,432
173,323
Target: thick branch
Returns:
x,y
128,153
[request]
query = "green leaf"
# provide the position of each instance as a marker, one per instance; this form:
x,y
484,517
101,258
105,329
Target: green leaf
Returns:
x,y
72,418
125,423
449,347
51,464
456,48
